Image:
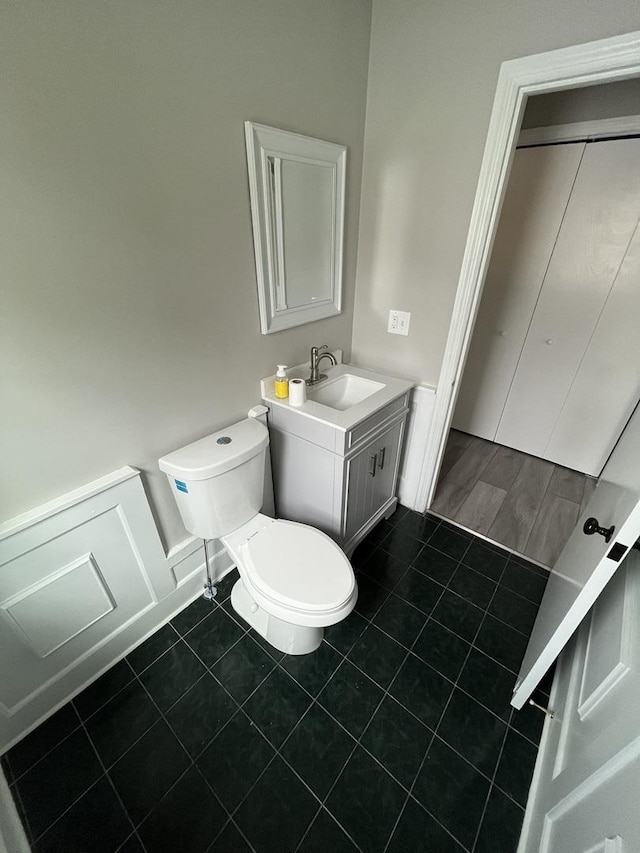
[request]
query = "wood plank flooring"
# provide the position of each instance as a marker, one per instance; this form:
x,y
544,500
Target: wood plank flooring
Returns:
x,y
519,501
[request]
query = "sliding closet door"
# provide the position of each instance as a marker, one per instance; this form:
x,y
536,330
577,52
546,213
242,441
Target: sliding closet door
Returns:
x,y
607,385
537,195
596,231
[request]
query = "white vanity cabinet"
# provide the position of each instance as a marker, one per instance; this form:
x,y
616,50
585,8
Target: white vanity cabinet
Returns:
x,y
340,480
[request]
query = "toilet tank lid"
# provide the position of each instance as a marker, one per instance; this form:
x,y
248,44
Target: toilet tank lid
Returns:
x,y
217,453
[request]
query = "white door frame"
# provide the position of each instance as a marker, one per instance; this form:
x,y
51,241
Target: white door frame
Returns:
x,y
588,64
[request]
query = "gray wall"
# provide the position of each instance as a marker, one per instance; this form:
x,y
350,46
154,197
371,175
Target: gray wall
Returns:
x,y
129,295
592,103
432,79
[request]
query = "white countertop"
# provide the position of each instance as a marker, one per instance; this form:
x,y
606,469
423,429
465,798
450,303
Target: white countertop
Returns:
x,y
341,419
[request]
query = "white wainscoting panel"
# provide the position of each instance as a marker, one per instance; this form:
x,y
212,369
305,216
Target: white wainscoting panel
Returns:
x,y
73,599
83,580
423,399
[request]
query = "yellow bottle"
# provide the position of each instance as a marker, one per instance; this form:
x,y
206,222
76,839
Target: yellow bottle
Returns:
x,y
281,384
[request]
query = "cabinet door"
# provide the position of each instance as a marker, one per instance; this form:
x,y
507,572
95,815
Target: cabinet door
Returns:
x,y
596,231
360,479
387,448
537,195
371,478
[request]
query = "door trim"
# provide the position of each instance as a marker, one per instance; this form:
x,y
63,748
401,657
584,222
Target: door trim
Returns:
x,y
580,131
582,65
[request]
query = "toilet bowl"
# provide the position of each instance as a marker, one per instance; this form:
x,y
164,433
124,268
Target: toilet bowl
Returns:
x,y
294,580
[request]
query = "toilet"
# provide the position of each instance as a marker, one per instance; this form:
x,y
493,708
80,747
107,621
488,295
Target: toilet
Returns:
x,y
294,580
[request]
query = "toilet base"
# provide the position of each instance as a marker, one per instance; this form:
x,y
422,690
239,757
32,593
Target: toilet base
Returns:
x,y
284,636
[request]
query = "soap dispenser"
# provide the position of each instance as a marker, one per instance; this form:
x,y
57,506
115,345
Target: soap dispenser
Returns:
x,y
281,384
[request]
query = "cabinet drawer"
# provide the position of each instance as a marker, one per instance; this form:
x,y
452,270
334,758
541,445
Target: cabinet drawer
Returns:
x,y
363,430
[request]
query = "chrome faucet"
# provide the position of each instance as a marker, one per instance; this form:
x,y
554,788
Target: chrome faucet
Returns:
x,y
316,358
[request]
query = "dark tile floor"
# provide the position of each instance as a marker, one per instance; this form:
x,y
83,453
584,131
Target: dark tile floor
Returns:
x,y
396,735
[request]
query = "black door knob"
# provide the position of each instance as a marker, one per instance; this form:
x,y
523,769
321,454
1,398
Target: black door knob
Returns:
x,y
591,526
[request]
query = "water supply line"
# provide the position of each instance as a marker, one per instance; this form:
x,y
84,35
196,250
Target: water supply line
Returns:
x,y
210,590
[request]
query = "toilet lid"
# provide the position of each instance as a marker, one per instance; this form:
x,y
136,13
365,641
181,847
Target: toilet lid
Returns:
x,y
299,566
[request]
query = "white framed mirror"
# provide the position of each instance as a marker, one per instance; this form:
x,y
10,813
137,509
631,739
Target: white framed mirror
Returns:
x,y
297,191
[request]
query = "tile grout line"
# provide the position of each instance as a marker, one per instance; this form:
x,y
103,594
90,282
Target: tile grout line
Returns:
x,y
166,721
82,725
41,758
464,639
191,760
110,781
315,701
278,754
107,778
396,700
498,759
435,734
491,786
22,812
240,709
435,729
410,651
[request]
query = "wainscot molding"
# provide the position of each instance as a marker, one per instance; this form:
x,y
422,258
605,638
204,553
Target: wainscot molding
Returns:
x,y
421,406
84,579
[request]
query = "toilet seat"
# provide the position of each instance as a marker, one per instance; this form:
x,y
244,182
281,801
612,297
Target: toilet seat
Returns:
x,y
298,567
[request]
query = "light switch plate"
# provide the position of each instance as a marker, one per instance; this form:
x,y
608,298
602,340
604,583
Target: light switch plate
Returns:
x,y
399,322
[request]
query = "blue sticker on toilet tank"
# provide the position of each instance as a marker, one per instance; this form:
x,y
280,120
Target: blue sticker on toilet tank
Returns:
x,y
181,487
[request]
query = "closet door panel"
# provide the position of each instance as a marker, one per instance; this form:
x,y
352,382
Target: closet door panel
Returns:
x,y
537,195
607,385
598,225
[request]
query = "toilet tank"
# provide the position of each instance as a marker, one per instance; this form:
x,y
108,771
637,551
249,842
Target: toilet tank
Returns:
x,y
218,481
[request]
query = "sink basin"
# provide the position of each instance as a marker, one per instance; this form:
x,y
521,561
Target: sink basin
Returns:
x,y
348,396
344,392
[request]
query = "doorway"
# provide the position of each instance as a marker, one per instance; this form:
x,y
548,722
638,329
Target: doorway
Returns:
x,y
599,62
559,312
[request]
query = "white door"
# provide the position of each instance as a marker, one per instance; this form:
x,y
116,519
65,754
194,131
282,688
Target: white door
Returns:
x,y
587,562
611,364
555,344
596,231
585,794
539,187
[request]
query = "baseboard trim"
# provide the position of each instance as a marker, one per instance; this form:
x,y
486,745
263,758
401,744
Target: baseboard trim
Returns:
x,y
12,835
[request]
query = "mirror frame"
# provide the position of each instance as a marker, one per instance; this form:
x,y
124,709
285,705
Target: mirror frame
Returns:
x,y
267,146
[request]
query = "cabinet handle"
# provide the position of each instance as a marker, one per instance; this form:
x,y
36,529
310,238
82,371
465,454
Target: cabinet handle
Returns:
x,y
372,466
381,460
